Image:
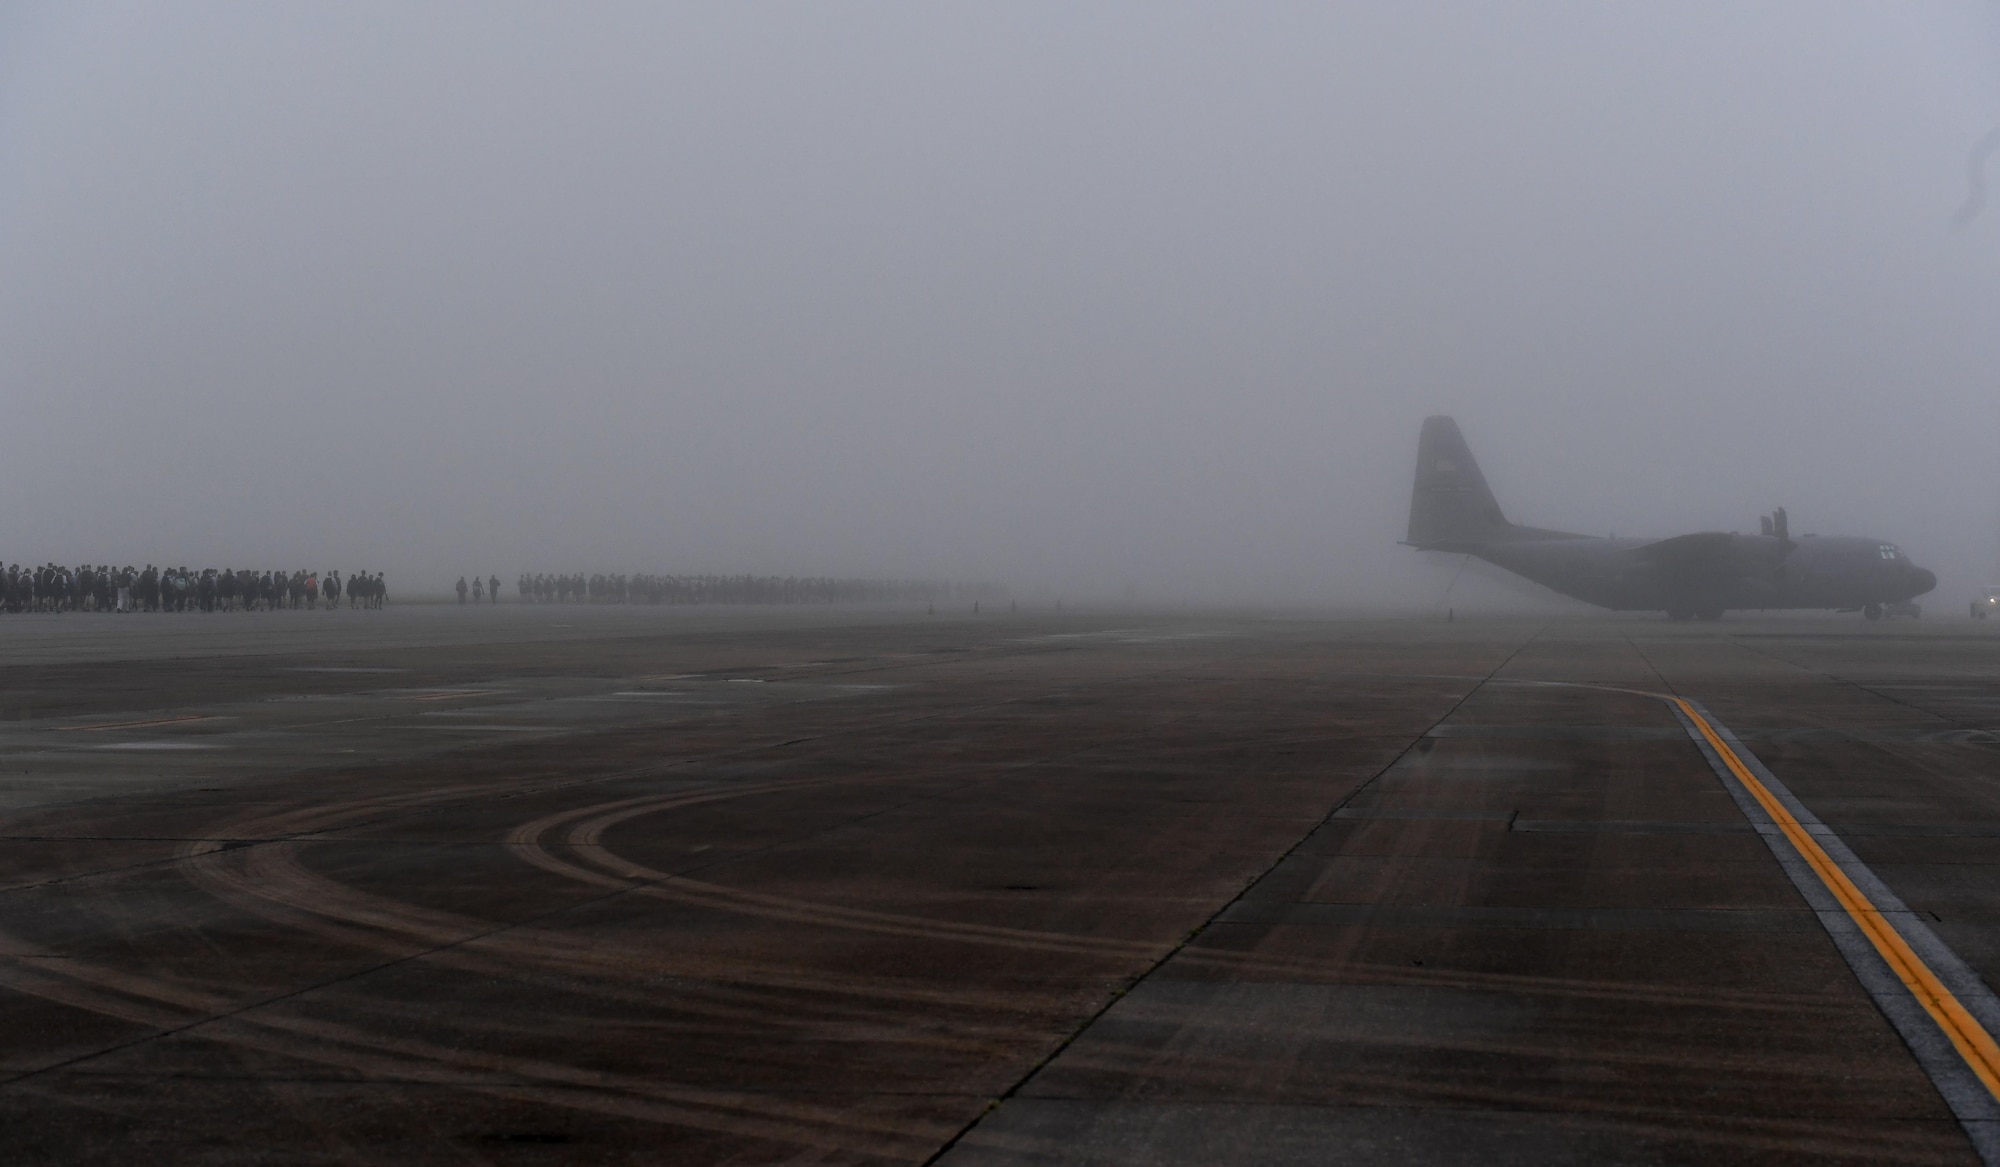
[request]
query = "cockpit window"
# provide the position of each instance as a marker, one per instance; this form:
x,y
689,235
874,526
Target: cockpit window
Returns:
x,y
1889,551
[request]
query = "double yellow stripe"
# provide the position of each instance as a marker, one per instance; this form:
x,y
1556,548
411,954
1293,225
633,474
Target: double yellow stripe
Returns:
x,y
1972,1041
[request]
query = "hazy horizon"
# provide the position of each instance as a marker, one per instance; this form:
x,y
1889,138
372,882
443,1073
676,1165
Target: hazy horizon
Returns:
x,y
1073,298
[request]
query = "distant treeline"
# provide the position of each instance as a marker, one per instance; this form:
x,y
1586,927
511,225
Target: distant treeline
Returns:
x,y
601,588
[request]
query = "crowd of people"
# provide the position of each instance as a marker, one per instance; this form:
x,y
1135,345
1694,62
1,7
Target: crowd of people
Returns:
x,y
53,587
100,588
602,588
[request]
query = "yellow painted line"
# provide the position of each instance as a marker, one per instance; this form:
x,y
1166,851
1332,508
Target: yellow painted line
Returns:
x,y
1973,1043
134,724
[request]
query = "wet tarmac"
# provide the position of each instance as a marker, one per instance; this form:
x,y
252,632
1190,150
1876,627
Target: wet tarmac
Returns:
x,y
548,885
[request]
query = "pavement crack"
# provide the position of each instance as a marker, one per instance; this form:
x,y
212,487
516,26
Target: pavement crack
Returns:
x,y
1122,991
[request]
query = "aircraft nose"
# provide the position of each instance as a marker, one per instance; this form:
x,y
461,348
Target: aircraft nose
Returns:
x,y
1922,580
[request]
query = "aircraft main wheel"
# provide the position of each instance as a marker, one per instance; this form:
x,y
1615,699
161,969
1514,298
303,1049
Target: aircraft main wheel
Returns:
x,y
1872,611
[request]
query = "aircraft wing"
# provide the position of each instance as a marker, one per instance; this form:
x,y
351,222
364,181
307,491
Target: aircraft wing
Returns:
x,y
1704,549
1714,554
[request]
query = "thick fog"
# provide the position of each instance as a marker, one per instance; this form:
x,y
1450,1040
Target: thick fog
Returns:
x,y
1073,297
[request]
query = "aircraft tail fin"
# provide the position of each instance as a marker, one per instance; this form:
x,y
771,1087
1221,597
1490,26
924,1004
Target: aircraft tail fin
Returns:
x,y
1451,506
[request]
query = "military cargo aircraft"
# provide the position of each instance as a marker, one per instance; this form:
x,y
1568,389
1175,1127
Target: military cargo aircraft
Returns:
x,y
1687,576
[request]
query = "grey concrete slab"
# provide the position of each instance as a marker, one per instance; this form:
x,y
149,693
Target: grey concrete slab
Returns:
x,y
696,886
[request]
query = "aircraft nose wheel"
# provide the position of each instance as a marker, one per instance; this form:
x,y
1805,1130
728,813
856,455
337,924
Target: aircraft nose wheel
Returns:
x,y
1872,611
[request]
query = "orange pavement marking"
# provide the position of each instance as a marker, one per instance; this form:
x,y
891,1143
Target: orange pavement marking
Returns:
x,y
1972,1041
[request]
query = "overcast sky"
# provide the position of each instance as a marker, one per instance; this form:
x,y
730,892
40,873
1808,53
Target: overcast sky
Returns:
x,y
1069,296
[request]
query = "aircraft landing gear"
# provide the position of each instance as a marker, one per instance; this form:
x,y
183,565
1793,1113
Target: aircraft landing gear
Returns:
x,y
1872,611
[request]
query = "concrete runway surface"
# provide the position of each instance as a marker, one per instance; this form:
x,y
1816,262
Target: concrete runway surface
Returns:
x,y
552,885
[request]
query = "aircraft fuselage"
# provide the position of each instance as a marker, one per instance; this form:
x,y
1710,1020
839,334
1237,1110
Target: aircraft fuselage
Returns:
x,y
1839,572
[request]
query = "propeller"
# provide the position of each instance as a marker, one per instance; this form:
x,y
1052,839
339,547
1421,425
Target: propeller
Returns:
x,y
1776,526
